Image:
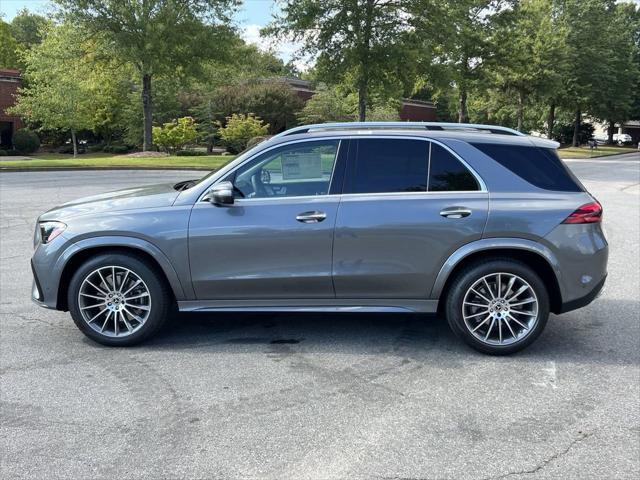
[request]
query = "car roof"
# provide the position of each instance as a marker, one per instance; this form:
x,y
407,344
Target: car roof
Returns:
x,y
437,130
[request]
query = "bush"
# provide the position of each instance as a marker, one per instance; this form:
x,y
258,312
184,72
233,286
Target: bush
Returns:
x,y
117,148
96,148
68,149
256,140
240,129
3,153
191,153
26,142
174,136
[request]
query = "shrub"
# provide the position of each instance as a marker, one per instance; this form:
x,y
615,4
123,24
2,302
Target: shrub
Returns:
x,y
256,140
69,149
191,153
25,141
96,148
240,129
117,148
174,136
3,153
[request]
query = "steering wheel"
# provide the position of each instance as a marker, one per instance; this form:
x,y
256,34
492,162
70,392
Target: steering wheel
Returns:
x,y
258,186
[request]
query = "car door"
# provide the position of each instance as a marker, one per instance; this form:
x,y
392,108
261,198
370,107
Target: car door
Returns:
x,y
408,203
275,240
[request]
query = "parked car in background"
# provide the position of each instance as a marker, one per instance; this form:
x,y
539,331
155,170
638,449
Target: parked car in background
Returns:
x,y
622,138
479,223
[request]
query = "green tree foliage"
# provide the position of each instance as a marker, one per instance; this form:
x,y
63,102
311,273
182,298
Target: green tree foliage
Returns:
x,y
239,129
174,136
8,47
156,37
28,28
64,87
330,104
361,42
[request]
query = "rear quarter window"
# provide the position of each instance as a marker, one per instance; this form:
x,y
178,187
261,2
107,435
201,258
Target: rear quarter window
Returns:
x,y
540,167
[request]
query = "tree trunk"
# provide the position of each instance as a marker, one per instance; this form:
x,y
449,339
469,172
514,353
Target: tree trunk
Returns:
x,y
362,102
520,109
74,142
551,120
147,112
610,130
576,129
463,116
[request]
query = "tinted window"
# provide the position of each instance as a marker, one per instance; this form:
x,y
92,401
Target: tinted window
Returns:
x,y
538,166
300,169
388,165
447,173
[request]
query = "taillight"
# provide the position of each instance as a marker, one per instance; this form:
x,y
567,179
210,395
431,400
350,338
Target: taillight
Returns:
x,y
588,213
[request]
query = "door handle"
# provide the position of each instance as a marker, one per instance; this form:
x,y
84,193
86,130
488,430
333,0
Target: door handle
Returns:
x,y
311,217
455,212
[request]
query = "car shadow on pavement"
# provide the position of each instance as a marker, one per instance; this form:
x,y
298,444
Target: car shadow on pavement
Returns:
x,y
589,335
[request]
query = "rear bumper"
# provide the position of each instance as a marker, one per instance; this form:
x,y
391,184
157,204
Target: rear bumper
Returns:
x,y
584,300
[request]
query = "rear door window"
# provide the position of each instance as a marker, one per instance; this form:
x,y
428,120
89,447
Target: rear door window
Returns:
x,y
540,167
385,165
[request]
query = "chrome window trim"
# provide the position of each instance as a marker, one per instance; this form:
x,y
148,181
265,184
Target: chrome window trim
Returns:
x,y
481,183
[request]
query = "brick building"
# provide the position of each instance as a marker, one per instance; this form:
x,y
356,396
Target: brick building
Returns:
x,y
10,80
411,110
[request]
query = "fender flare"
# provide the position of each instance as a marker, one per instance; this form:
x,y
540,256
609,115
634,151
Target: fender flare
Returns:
x,y
484,245
132,243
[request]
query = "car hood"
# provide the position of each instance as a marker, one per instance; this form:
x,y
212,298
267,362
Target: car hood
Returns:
x,y
150,196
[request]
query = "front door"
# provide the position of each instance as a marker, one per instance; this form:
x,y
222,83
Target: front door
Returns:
x,y
276,240
407,205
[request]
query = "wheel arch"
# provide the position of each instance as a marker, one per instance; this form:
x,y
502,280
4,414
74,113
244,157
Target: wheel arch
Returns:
x,y
72,258
538,257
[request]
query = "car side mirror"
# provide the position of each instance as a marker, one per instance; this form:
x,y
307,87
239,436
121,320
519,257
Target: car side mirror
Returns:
x,y
221,194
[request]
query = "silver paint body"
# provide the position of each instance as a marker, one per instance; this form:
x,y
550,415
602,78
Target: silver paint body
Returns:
x,y
382,252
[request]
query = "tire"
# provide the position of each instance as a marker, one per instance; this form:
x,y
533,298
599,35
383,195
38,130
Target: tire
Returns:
x,y
140,300
510,324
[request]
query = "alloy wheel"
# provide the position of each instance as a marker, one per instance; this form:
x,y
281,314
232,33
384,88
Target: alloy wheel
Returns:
x,y
114,301
500,309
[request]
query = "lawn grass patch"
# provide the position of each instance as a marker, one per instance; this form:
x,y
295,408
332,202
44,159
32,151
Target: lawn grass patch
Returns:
x,y
601,151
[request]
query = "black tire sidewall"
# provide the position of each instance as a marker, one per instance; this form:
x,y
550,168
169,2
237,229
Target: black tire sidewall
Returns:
x,y
470,275
160,299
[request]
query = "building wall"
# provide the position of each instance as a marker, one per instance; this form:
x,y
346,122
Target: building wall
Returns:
x,y
10,81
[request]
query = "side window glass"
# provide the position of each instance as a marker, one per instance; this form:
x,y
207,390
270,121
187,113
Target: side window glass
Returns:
x,y
390,165
300,169
447,173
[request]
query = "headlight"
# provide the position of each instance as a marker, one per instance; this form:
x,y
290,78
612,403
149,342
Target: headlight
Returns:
x,y
50,230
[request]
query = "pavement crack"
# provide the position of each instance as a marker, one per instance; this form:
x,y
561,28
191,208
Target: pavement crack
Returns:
x,y
580,438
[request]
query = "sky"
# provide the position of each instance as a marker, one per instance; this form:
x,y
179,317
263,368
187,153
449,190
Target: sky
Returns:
x,y
253,15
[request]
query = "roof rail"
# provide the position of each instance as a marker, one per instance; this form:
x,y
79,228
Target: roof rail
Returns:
x,y
401,125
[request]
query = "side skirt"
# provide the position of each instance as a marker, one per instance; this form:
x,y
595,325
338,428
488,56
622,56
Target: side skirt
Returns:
x,y
366,305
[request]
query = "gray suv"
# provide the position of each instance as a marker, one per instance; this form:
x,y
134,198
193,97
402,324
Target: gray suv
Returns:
x,y
479,223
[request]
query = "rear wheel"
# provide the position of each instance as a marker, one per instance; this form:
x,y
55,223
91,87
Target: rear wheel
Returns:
x,y
118,299
497,306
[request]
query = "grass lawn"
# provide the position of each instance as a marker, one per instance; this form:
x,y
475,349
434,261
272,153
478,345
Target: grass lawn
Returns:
x,y
602,151
98,160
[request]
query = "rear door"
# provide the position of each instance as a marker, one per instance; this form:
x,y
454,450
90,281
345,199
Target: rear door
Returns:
x,y
408,203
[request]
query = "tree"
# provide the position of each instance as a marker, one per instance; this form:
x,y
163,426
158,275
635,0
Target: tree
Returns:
x,y
455,43
8,47
588,46
529,53
623,61
28,28
329,104
362,42
156,36
60,84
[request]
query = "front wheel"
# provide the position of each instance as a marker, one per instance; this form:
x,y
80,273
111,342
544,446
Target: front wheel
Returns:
x,y
118,299
497,306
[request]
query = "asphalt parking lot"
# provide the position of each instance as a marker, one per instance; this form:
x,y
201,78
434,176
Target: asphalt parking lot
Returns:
x,y
317,396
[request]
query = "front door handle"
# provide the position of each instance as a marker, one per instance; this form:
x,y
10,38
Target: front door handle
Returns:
x,y
455,212
311,217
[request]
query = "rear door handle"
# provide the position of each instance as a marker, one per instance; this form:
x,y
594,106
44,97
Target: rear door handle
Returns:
x,y
311,217
455,212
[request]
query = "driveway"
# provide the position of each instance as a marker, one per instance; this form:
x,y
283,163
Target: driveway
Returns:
x,y
320,396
